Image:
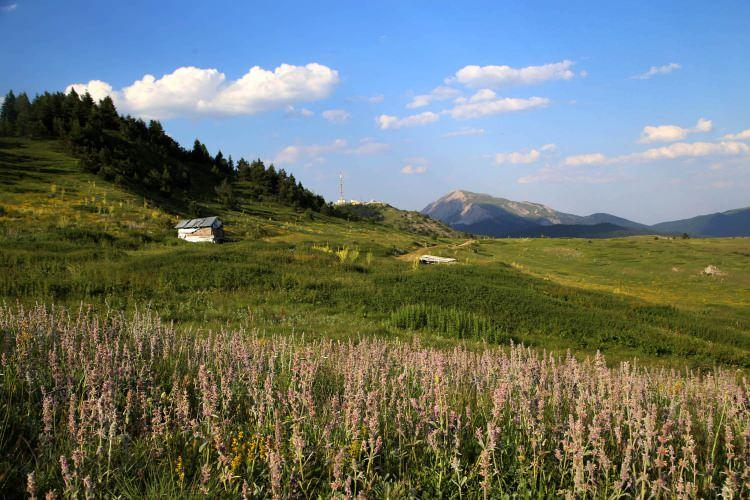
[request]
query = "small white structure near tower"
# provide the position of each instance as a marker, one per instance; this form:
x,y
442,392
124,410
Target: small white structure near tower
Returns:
x,y
343,201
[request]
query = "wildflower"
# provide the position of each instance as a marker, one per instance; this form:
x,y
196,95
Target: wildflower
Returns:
x,y
179,469
31,486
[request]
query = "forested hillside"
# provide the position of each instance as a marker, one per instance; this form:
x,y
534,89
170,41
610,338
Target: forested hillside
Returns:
x,y
142,157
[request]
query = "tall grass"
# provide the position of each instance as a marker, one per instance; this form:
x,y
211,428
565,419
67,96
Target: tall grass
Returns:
x,y
114,406
447,321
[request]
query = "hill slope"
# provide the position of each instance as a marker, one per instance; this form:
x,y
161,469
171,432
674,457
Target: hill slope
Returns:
x,y
403,220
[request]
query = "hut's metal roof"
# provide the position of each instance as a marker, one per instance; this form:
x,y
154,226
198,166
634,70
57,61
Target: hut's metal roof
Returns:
x,y
193,223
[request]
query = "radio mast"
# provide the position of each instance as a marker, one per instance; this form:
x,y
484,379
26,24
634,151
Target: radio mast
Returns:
x,y
341,189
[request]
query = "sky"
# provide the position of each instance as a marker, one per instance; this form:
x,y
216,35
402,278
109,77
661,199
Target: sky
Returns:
x,y
641,109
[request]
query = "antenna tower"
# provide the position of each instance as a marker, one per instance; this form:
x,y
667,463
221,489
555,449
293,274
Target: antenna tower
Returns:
x,y
341,188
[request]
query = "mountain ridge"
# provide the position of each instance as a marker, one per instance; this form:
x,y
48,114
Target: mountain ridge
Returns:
x,y
485,214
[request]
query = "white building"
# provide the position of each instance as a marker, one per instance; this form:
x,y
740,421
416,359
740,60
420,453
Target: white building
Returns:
x,y
207,229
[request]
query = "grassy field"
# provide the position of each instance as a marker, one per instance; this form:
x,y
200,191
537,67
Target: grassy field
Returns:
x,y
108,406
70,238
313,356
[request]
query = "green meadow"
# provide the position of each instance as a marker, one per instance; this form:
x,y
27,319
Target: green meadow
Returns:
x,y
71,238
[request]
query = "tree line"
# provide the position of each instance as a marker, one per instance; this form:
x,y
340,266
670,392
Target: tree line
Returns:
x,y
129,151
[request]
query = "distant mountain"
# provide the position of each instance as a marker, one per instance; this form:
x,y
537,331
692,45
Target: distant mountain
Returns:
x,y
603,218
731,223
484,214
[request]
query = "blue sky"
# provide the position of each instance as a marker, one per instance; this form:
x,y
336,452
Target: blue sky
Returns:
x,y
636,109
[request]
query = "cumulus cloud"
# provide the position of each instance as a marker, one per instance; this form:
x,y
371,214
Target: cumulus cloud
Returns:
x,y
304,112
336,115
689,150
676,151
293,154
585,159
524,157
465,131
387,122
9,8
370,147
566,175
739,136
413,169
97,89
441,93
191,91
670,133
517,157
503,76
485,102
316,153
657,70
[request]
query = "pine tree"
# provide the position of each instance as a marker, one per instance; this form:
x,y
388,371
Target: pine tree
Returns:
x,y
24,116
108,113
8,114
225,194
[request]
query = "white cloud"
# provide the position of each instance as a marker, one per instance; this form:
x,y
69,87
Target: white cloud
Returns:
x,y
501,76
441,93
688,150
195,91
9,8
657,70
370,147
412,169
465,131
566,175
185,90
415,165
676,151
739,136
372,99
293,154
96,88
315,153
336,115
304,112
669,133
585,159
518,157
386,122
485,102
524,157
